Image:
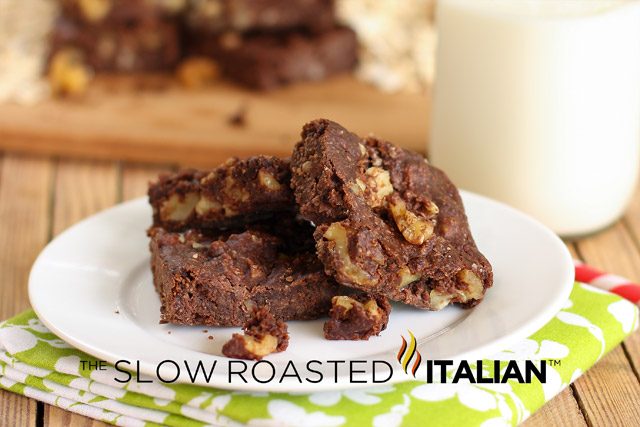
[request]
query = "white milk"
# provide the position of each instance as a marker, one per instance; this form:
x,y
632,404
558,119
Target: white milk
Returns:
x,y
537,104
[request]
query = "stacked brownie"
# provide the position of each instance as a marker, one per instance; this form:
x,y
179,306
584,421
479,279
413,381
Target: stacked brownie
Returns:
x,y
264,44
119,35
345,226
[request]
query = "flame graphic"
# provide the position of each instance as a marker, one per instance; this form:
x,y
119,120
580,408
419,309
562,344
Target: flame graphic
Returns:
x,y
407,352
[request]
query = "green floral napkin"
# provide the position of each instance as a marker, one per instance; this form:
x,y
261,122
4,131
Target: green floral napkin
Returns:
x,y
37,364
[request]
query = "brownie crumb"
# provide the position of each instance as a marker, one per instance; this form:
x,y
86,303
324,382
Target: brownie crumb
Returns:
x,y
239,117
357,317
263,335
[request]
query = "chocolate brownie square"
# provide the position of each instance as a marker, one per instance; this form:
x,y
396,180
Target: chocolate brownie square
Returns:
x,y
219,280
216,16
119,13
151,46
387,221
236,193
266,61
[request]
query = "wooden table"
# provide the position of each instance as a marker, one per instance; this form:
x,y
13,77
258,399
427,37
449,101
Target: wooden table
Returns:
x,y
41,196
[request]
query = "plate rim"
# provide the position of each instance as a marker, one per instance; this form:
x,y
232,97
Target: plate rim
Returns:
x,y
552,306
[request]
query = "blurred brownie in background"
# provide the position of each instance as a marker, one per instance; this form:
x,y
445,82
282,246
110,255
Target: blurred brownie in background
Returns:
x,y
120,13
266,61
120,35
259,15
260,44
149,45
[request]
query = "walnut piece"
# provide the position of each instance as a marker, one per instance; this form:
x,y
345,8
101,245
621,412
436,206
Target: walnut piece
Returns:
x,y
358,187
94,10
379,185
268,181
68,74
207,8
177,208
207,205
474,291
337,234
372,308
439,300
343,301
260,348
197,72
306,166
407,278
416,230
475,287
263,335
235,191
173,6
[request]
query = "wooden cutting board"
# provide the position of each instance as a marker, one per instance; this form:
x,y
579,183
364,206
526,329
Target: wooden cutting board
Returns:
x,y
158,122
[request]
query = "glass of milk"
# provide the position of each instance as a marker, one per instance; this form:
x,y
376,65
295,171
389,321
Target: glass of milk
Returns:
x,y
537,103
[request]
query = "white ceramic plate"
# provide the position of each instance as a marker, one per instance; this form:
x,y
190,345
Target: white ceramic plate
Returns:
x,y
92,286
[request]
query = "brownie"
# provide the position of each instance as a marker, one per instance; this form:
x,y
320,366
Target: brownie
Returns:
x,y
236,193
219,279
387,221
151,46
259,15
357,317
267,61
119,13
263,335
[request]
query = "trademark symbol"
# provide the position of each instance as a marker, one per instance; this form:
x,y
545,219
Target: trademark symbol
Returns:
x,y
554,362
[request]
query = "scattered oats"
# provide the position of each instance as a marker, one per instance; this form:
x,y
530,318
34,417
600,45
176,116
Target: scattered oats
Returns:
x,y
24,29
397,41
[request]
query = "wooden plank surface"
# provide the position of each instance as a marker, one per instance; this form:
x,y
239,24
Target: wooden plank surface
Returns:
x,y
563,410
81,189
632,223
175,125
610,394
24,229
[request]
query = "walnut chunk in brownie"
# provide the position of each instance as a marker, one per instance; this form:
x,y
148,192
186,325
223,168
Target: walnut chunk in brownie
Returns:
x,y
387,221
356,317
236,193
263,335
